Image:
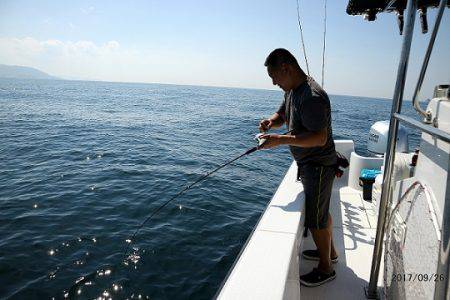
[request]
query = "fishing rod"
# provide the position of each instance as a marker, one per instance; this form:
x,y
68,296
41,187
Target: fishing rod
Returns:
x,y
261,142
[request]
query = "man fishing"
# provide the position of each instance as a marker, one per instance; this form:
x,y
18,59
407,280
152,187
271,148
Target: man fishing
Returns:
x,y
306,112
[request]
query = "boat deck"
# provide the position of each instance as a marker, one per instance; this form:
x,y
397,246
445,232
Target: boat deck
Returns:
x,y
270,263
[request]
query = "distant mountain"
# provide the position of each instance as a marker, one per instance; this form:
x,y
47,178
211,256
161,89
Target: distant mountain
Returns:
x,y
23,73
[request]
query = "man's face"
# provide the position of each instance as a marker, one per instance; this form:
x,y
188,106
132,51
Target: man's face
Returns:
x,y
279,77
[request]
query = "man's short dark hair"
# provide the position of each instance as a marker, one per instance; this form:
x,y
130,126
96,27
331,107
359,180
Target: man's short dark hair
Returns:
x,y
280,56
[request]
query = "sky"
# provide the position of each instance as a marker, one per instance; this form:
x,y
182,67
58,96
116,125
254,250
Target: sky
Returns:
x,y
214,43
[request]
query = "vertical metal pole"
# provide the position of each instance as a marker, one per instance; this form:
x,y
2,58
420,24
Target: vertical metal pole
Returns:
x,y
371,291
441,288
415,101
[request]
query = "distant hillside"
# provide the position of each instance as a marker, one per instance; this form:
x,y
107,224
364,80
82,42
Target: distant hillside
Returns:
x,y
23,73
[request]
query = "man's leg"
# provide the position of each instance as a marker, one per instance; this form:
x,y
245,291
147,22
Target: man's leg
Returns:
x,y
317,184
323,238
333,252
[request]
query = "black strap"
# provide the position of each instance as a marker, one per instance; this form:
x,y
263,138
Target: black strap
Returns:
x,y
341,162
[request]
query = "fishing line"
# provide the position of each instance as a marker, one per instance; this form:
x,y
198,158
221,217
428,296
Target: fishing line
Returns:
x,y
301,35
82,280
324,41
249,151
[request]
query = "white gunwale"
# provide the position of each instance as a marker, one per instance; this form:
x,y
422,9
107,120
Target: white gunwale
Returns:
x,y
269,265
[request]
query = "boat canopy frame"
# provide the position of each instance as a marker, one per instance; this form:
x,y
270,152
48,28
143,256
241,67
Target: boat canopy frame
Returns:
x,y
441,287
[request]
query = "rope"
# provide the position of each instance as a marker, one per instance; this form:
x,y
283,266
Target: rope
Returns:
x,y
324,41
301,35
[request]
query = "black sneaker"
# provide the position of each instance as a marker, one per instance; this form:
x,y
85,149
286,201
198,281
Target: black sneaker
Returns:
x,y
316,278
314,255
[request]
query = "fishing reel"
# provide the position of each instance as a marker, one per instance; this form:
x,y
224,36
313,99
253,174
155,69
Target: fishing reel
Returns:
x,y
260,140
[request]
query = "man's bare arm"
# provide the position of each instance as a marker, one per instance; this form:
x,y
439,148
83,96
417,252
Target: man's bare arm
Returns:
x,y
308,139
305,140
275,121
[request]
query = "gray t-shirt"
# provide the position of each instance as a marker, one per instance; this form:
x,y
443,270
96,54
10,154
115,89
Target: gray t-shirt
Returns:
x,y
307,109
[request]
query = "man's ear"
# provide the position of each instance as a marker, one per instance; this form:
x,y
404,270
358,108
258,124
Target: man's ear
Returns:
x,y
285,68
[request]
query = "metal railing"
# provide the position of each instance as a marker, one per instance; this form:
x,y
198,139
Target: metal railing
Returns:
x,y
426,114
441,287
390,152
440,134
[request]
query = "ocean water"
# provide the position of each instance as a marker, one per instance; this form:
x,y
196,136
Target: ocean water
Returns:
x,y
84,163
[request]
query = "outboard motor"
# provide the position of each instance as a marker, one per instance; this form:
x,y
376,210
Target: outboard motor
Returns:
x,y
378,138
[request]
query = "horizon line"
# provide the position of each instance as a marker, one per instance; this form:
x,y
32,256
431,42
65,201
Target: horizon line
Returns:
x,y
57,77
61,78
201,85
